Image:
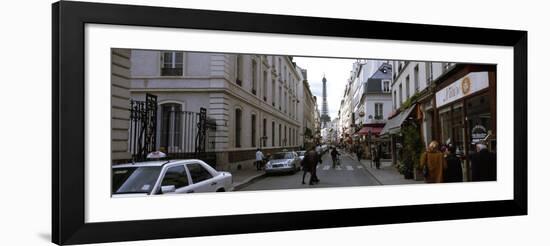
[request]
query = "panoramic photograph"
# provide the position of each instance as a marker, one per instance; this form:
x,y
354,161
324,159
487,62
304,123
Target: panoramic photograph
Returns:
x,y
193,122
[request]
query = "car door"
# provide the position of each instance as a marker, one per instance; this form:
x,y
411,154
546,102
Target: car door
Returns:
x,y
176,176
202,179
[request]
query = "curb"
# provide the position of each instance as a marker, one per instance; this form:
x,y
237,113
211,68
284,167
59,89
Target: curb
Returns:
x,y
366,168
240,185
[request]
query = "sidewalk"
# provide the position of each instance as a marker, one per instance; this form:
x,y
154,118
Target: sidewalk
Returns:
x,y
387,174
245,175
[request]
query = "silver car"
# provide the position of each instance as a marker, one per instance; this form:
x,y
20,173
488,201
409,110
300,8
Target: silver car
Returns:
x,y
283,162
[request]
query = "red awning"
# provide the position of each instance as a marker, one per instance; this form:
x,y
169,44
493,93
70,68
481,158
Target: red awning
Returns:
x,y
373,129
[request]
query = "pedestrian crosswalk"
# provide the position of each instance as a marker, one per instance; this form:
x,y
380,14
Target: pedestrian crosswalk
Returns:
x,y
339,168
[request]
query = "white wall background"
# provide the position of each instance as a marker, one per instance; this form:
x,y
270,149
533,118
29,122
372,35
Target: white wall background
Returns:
x,y
26,88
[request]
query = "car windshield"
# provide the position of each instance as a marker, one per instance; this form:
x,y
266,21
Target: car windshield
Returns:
x,y
134,179
284,155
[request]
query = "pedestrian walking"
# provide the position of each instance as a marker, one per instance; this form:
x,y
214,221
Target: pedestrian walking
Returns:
x,y
309,165
334,154
358,152
453,173
434,163
259,159
484,166
376,156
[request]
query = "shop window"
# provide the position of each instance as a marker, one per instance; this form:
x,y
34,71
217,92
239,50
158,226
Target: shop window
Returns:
x,y
479,119
452,127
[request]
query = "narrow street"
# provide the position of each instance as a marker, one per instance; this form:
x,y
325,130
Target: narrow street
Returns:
x,y
350,173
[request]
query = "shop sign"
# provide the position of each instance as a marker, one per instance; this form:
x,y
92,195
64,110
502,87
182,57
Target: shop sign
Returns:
x,y
471,83
479,133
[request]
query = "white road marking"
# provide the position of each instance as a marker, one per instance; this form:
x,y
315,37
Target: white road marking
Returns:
x,y
350,168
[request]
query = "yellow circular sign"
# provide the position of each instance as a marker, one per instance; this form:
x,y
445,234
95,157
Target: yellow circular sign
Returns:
x,y
466,85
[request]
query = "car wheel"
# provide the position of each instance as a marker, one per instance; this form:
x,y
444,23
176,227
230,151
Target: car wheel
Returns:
x,y
221,190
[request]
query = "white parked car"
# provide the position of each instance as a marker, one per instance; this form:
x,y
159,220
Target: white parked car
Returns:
x,y
168,177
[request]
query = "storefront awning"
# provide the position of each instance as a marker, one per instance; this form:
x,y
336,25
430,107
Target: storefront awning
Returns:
x,y
393,125
372,129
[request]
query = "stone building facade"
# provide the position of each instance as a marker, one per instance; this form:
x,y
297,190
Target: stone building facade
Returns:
x,y
253,100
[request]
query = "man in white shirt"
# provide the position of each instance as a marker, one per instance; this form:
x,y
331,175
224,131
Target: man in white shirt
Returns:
x,y
259,159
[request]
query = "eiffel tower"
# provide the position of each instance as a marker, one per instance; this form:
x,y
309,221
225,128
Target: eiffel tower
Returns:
x,y
325,118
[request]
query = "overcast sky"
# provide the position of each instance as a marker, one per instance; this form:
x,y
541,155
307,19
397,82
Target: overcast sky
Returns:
x,y
336,71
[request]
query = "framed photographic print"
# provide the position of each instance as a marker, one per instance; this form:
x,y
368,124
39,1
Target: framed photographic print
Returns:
x,y
173,122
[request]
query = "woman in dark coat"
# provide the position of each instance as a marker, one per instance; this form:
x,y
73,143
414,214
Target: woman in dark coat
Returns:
x,y
309,164
453,173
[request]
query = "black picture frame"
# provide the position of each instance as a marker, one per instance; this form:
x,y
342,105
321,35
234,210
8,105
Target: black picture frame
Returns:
x,y
68,107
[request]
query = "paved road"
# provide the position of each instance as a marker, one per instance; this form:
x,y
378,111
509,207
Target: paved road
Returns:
x,y
350,173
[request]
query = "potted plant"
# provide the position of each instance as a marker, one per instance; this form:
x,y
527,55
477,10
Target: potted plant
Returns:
x,y
412,149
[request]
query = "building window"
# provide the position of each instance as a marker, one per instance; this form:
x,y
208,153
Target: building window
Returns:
x,y
239,70
264,134
253,131
273,90
378,111
280,97
171,63
400,94
394,99
291,136
416,80
273,134
279,68
386,86
170,127
429,73
407,87
264,88
285,138
254,77
280,135
238,123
